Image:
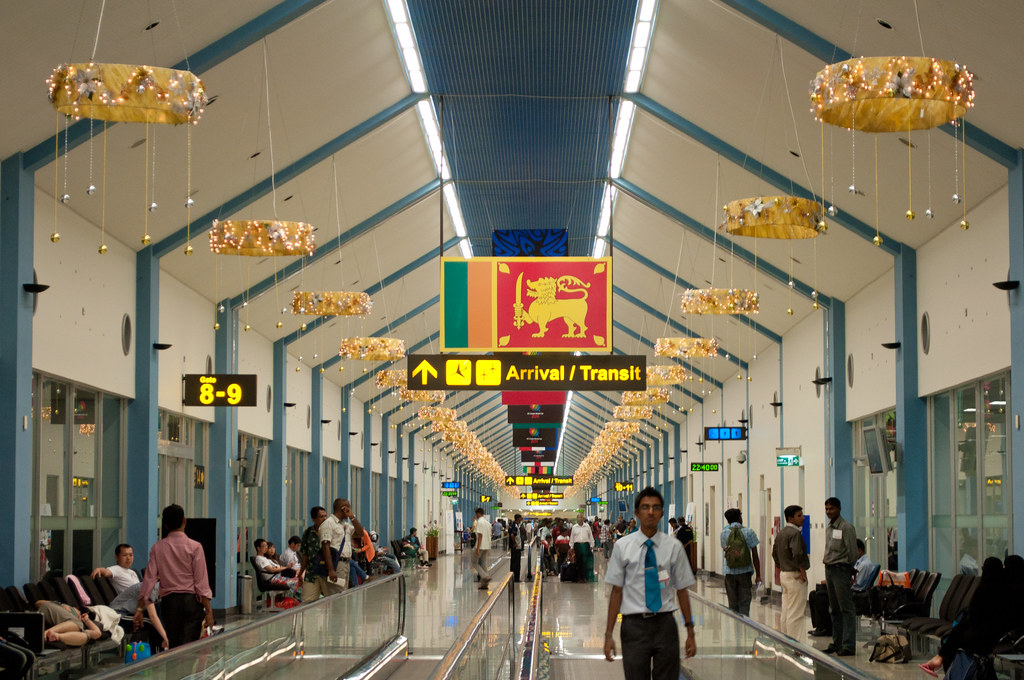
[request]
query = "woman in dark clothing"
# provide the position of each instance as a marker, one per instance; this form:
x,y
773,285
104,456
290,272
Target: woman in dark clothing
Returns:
x,y
987,619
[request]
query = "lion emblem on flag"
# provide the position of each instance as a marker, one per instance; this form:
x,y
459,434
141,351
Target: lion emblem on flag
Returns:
x,y
548,307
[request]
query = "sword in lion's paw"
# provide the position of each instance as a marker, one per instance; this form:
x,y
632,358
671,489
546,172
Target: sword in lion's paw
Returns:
x,y
518,321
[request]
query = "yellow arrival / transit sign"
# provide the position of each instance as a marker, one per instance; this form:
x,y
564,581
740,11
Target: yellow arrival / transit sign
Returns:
x,y
526,373
528,480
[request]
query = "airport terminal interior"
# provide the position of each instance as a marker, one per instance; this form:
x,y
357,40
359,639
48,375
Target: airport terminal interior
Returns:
x,y
528,256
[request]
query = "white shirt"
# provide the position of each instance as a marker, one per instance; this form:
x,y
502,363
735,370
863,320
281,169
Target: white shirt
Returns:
x,y
262,561
581,533
338,533
626,570
290,558
122,578
483,528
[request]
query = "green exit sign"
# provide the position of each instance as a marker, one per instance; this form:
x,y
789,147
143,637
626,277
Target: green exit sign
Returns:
x,y
788,460
704,467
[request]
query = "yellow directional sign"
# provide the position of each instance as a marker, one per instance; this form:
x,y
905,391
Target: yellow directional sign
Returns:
x,y
542,503
619,486
485,499
527,480
519,372
424,369
536,495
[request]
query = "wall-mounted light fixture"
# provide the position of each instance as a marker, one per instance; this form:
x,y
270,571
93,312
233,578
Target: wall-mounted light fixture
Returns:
x,y
892,345
159,346
34,288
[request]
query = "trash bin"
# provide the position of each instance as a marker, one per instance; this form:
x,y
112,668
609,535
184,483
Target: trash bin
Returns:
x,y
245,598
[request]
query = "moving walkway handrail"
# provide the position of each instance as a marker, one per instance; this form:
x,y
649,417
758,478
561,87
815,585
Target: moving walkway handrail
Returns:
x,y
805,650
451,659
529,650
294,645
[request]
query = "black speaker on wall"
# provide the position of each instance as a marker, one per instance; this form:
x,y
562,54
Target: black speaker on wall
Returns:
x,y
204,530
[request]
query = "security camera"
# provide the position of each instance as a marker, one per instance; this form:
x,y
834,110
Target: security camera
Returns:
x,y
741,457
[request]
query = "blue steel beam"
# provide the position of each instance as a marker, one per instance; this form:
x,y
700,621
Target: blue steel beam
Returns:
x,y
337,242
823,300
810,42
755,167
202,61
171,243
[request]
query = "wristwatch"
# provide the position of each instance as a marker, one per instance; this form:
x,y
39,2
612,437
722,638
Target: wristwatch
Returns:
x,y
688,624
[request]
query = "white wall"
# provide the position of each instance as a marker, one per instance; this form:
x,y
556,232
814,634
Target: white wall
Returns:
x,y
970,320
256,355
332,409
77,325
870,321
186,322
299,418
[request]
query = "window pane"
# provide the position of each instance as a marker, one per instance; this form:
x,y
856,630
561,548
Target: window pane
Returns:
x,y
995,477
111,458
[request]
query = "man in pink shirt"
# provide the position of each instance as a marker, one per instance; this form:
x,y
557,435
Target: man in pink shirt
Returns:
x,y
179,564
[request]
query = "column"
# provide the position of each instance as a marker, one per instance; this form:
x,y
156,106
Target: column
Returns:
x,y
142,482
277,452
315,464
397,514
1016,299
839,432
363,512
385,470
16,253
345,465
222,498
911,421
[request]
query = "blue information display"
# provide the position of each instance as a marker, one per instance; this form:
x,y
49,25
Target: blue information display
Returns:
x,y
722,434
449,485
595,499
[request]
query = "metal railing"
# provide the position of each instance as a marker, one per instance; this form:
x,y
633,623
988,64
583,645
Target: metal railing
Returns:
x,y
530,643
756,641
485,649
352,635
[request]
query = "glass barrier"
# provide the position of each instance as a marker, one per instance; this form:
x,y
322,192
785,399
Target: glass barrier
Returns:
x,y
530,642
486,650
332,638
733,646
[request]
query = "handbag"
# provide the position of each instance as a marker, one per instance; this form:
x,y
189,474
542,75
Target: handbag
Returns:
x,y
136,650
891,649
970,667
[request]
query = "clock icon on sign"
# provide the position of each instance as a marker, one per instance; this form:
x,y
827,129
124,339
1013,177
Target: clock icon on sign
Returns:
x,y
458,371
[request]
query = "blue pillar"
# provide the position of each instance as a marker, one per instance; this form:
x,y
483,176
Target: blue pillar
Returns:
x,y
1016,297
315,464
398,517
677,453
839,432
276,456
410,486
345,465
142,484
367,473
16,257
911,422
385,478
222,498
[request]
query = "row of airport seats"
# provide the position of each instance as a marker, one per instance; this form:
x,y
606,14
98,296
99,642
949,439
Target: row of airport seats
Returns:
x,y
19,619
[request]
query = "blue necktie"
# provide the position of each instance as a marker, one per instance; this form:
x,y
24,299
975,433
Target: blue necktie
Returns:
x,y
651,578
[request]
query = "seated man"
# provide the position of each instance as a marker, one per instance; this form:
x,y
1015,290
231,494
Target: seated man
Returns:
x,y
290,555
121,573
411,546
271,571
391,563
863,569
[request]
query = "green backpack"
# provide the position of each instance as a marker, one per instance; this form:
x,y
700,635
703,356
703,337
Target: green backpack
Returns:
x,y
737,554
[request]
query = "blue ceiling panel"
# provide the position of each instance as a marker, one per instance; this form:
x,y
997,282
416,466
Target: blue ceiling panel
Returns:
x,y
525,91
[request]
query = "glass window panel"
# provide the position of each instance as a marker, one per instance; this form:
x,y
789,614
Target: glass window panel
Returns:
x,y
966,437
942,482
52,449
995,480
111,457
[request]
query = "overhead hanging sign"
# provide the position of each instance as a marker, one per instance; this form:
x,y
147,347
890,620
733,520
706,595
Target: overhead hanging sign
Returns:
x,y
485,499
536,436
533,495
450,494
527,480
536,413
520,372
450,485
619,486
219,389
523,304
722,434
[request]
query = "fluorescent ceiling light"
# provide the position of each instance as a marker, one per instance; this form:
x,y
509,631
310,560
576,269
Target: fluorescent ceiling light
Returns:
x,y
412,59
997,403
405,40
417,81
397,9
646,10
466,248
643,34
598,248
970,409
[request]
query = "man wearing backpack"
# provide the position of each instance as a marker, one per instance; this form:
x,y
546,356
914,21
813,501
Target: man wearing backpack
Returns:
x,y
741,561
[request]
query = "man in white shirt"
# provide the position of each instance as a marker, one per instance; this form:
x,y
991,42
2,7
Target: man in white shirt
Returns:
x,y
120,574
290,555
482,529
582,539
649,575
336,536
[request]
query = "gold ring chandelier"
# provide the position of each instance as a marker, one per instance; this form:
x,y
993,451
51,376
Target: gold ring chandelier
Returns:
x,y
720,301
372,349
686,348
391,377
633,412
260,238
331,303
127,94
665,375
648,397
892,94
421,395
783,217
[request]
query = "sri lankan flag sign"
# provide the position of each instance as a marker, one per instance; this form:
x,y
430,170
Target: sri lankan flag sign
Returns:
x,y
554,304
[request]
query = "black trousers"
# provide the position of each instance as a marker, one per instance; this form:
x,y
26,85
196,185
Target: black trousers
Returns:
x,y
817,601
517,560
650,647
183,616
